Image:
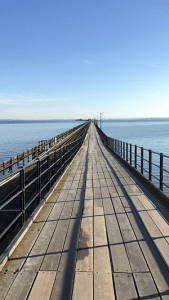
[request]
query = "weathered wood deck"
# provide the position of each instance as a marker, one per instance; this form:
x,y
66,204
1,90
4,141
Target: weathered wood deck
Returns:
x,y
99,236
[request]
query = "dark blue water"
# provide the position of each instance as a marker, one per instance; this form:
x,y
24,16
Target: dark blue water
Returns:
x,y
152,135
16,137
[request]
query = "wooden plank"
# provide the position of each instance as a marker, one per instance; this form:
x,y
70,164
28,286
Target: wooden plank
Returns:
x,y
135,256
119,191
54,251
88,193
96,183
103,182
146,287
126,202
128,190
153,230
156,264
103,282
66,268
108,206
6,280
100,174
107,176
95,175
98,202
89,183
136,189
105,192
83,286
118,205
85,246
112,191
75,184
43,286
125,287
109,182
156,216
103,286
118,253
97,193
38,251
21,286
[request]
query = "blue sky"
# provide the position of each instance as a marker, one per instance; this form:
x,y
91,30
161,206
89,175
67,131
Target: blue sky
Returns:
x,y
77,59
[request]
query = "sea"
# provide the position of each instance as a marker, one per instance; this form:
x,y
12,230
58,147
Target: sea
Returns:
x,y
17,136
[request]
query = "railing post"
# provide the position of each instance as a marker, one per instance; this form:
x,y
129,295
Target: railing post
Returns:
x,y
34,153
150,164
39,180
3,168
124,150
55,160
22,196
131,154
121,150
127,152
60,156
69,152
17,160
135,156
28,155
10,167
161,171
141,160
49,173
64,156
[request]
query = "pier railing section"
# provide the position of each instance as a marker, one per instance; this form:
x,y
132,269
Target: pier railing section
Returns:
x,y
27,156
31,184
153,165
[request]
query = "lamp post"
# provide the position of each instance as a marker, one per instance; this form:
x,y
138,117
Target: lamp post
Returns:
x,y
100,119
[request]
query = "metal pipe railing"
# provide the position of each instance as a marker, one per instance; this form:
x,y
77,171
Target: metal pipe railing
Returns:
x,y
142,160
45,171
13,163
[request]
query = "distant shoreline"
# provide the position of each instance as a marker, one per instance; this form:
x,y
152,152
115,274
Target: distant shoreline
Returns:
x,y
9,121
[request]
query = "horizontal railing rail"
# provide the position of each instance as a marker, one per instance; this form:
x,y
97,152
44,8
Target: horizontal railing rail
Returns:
x,y
32,183
153,165
21,159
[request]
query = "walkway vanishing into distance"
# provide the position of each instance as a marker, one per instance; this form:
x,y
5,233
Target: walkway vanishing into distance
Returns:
x,y
101,235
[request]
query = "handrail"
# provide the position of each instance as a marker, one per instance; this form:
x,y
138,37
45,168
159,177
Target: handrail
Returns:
x,y
31,188
10,164
142,160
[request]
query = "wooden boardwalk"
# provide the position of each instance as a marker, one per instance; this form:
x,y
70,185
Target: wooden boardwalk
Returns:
x,y
100,236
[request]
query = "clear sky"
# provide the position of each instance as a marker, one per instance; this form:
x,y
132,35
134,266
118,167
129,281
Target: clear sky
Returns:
x,y
77,59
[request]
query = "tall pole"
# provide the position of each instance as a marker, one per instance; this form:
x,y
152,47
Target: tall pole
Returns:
x,y
100,119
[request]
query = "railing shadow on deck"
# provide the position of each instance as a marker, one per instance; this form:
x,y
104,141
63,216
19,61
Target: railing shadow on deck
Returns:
x,y
146,237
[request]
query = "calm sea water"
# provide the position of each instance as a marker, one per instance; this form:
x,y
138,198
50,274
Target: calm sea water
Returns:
x,y
16,137
152,135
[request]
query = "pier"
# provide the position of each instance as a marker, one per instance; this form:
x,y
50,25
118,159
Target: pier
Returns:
x,y
100,234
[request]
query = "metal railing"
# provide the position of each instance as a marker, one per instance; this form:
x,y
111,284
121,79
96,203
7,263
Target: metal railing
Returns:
x,y
27,156
153,165
32,182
